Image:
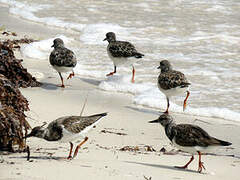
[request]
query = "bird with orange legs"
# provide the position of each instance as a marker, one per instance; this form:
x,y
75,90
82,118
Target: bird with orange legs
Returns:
x,y
172,83
121,53
62,59
189,138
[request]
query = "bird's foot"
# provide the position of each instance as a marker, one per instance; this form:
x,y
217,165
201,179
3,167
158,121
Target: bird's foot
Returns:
x,y
61,85
110,74
70,76
166,112
200,167
133,81
69,158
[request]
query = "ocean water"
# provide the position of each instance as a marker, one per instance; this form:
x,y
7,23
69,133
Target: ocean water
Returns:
x,y
199,38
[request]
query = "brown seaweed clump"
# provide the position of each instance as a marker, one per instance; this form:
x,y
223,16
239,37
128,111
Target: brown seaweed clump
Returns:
x,y
12,68
13,123
12,117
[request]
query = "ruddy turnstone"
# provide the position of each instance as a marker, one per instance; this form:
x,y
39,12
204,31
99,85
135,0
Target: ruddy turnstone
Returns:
x,y
172,83
121,52
62,59
67,129
189,138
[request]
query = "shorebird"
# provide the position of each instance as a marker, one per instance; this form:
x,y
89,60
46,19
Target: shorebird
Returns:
x,y
172,83
67,129
121,52
189,138
62,59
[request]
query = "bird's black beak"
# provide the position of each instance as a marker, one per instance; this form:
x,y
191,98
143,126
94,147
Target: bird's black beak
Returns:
x,y
52,45
105,39
158,67
154,121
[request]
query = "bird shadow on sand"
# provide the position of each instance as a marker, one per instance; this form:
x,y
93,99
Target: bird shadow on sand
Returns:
x,y
40,158
49,86
91,81
164,167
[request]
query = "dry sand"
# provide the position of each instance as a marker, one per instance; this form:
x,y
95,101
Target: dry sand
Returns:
x,y
100,158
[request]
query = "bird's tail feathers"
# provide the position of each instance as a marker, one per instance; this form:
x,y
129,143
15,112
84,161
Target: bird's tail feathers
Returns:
x,y
183,85
98,116
138,55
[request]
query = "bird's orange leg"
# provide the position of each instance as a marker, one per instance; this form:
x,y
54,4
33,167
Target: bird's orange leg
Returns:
x,y
76,150
133,75
61,80
186,165
185,101
71,75
200,163
70,152
111,73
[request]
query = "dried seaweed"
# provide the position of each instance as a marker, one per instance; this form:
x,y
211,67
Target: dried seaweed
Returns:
x,y
13,104
15,43
144,148
110,132
6,33
12,68
12,117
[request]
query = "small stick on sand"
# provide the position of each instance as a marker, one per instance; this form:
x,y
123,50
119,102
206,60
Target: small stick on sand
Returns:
x,y
28,153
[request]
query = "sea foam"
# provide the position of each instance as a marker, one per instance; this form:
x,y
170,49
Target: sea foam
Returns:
x,y
148,94
41,49
95,33
27,11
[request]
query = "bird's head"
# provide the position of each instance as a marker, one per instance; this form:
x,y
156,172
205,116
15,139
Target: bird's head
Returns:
x,y
164,119
37,131
165,66
57,43
110,37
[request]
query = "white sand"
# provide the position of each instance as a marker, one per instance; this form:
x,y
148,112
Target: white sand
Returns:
x,y
100,157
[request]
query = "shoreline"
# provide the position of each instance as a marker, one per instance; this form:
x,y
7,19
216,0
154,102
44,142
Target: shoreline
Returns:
x,y
100,156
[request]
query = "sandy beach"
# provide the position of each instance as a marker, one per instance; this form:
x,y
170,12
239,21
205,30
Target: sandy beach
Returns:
x,y
125,125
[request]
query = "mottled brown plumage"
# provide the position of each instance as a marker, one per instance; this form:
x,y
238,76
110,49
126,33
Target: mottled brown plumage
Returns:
x,y
172,79
191,135
62,56
123,49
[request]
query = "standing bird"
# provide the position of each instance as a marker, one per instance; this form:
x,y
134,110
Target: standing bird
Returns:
x,y
172,83
67,129
189,138
121,52
62,59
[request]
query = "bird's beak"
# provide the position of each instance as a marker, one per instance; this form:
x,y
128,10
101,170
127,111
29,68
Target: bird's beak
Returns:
x,y
158,67
154,121
105,39
52,45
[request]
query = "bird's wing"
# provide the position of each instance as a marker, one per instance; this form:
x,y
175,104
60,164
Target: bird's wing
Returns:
x,y
62,57
123,49
76,124
172,79
190,135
